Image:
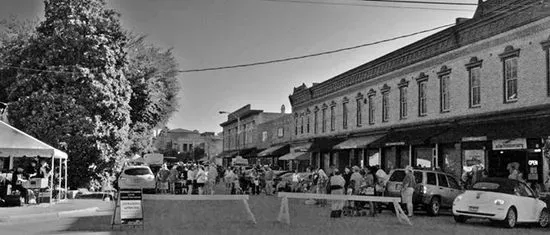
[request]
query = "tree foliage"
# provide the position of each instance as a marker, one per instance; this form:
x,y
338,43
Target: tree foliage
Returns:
x,y
85,105
14,36
152,74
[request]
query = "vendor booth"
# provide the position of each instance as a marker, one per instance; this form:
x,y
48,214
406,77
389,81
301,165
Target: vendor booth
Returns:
x,y
15,144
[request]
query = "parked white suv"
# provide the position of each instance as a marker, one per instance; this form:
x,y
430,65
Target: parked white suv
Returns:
x,y
137,177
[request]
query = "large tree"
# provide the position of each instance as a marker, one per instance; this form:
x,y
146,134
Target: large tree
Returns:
x,y
152,73
85,103
14,36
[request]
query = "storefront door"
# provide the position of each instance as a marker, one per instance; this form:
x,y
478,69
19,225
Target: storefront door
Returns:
x,y
499,160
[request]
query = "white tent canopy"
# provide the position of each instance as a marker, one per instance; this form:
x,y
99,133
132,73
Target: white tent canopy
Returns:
x,y
15,143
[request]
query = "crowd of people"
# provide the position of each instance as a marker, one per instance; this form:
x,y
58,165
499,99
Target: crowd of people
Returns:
x,y
188,178
25,171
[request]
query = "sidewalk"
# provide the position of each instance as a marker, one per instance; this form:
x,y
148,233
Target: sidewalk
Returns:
x,y
46,211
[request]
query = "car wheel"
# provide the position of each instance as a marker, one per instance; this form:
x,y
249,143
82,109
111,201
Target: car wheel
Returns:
x,y
434,206
511,218
460,219
544,218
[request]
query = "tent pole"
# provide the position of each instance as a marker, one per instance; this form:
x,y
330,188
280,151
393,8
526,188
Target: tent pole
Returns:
x,y
60,178
66,178
51,179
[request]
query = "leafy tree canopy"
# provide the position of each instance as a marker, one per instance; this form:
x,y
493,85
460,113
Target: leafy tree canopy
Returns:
x,y
86,104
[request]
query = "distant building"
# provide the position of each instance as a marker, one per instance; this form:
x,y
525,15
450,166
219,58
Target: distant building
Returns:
x,y
185,141
240,132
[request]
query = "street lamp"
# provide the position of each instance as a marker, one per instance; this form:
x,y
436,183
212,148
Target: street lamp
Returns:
x,y
238,128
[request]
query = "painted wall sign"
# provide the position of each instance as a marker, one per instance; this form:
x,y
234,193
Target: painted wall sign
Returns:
x,y
474,138
520,143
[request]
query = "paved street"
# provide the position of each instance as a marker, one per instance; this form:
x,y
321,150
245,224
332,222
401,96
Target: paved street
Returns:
x,y
207,217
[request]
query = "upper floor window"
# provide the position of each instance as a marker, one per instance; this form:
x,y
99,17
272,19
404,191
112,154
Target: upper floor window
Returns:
x,y
264,136
324,120
296,127
403,109
371,106
444,97
545,47
474,82
302,126
280,132
422,94
332,118
385,103
315,120
359,110
510,62
308,119
345,115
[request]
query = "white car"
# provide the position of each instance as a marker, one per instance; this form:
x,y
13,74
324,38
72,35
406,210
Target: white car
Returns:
x,y
137,177
502,200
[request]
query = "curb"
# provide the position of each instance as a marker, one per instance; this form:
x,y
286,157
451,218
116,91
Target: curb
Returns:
x,y
47,216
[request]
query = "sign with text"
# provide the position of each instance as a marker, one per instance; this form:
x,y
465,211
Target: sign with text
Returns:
x,y
520,143
395,144
474,138
131,211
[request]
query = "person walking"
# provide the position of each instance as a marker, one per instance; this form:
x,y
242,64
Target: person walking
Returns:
x,y
212,177
322,184
191,179
201,179
173,178
337,183
162,178
295,182
269,176
409,183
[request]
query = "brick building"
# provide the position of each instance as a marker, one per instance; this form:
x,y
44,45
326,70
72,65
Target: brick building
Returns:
x,y
477,92
240,132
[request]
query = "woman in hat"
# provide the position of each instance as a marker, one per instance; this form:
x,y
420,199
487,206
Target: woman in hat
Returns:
x,y
409,183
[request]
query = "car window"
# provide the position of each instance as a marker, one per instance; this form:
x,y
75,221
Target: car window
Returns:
x,y
397,176
138,171
525,191
442,180
453,183
431,178
418,177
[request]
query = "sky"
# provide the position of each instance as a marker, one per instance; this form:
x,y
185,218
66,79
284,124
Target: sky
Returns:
x,y
212,33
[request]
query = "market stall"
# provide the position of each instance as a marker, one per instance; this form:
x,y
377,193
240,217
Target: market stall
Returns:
x,y
15,143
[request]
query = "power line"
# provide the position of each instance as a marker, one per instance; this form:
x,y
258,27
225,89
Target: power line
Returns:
x,y
315,54
262,62
368,5
424,2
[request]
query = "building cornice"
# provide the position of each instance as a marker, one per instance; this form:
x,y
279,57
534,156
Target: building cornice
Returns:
x,y
511,16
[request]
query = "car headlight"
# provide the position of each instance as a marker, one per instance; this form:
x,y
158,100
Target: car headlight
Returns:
x,y
458,198
499,202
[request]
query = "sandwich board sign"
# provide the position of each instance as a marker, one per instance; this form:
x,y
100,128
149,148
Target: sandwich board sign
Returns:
x,y
129,208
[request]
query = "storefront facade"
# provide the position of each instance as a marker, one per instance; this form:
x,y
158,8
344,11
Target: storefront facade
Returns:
x,y
433,99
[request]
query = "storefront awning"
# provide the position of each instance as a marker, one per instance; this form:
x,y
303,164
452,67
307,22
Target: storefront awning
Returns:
x,y
295,156
250,152
304,147
275,150
533,128
409,137
228,154
358,142
324,144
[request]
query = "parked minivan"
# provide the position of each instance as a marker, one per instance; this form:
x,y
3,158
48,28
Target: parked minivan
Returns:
x,y
434,189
